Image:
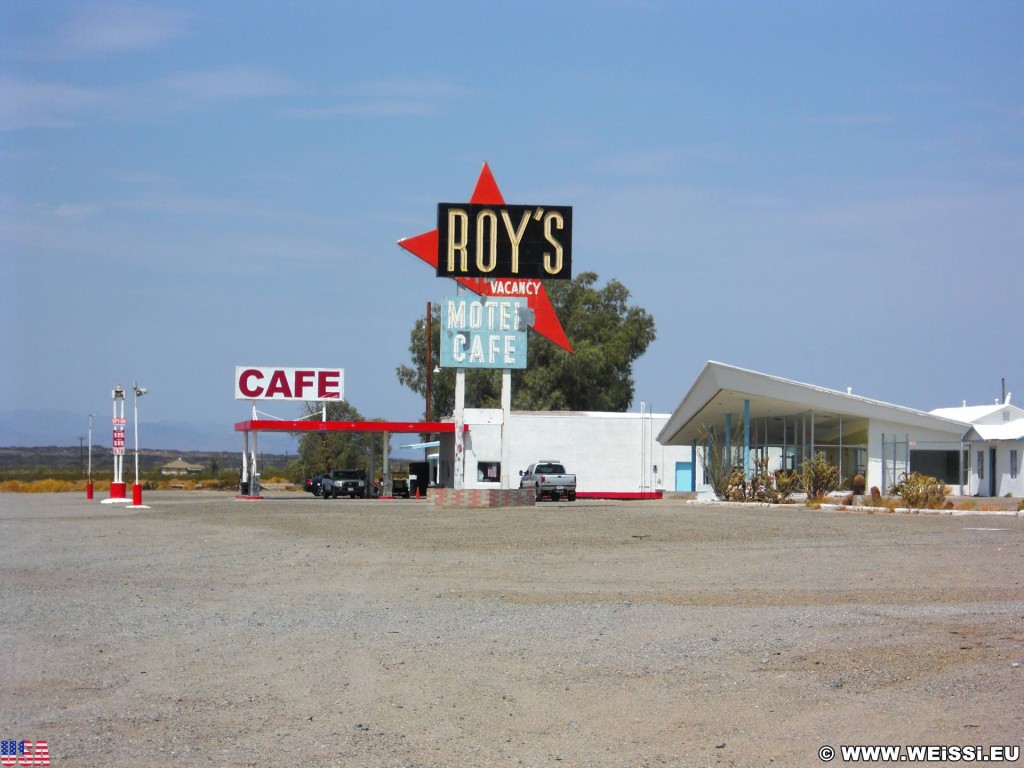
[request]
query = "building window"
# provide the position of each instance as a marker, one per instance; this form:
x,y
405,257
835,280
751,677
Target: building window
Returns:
x,y
488,471
1013,463
981,465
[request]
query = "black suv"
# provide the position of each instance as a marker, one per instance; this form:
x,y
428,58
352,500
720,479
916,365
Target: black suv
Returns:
x,y
314,485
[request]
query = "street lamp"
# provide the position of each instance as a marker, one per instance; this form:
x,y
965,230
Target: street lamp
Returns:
x,y
137,488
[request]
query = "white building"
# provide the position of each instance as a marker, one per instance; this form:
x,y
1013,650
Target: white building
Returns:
x,y
993,447
613,455
789,422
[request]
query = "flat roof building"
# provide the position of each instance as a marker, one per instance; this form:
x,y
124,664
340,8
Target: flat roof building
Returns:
x,y
787,422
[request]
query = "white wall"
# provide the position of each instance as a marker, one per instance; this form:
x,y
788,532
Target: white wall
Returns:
x,y
920,439
1005,484
608,452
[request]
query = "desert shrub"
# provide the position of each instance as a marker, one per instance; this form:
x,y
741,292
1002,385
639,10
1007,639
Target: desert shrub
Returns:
x,y
719,461
920,491
818,477
736,486
1020,505
786,483
875,500
41,486
762,485
223,481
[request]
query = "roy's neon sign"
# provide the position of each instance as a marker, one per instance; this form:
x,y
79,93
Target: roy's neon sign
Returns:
x,y
504,241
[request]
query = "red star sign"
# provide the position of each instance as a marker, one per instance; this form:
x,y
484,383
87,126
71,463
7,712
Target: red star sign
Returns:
x,y
545,322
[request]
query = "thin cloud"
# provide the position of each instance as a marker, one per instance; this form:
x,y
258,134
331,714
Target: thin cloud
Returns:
x,y
388,98
102,29
76,211
855,119
230,84
28,103
32,104
656,162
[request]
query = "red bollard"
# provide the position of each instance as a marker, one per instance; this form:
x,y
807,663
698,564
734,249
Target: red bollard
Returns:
x,y
137,495
88,490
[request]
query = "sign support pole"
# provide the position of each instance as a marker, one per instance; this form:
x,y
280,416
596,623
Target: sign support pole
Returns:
x,y
459,417
460,420
506,418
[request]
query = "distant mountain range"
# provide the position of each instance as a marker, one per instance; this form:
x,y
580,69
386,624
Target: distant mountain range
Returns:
x,y
53,427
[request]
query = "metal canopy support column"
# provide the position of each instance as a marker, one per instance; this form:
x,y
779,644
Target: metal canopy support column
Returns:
x,y
693,466
840,445
960,463
387,485
254,482
746,438
243,480
728,439
884,484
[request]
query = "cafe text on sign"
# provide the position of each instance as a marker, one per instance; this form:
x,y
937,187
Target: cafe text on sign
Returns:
x,y
508,241
263,383
483,332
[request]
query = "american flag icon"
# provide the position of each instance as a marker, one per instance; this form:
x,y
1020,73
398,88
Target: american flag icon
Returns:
x,y
24,753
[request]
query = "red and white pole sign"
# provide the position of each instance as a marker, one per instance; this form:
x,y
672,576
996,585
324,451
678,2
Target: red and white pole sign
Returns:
x,y
118,444
117,486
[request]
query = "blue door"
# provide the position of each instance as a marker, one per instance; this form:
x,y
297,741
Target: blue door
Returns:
x,y
684,476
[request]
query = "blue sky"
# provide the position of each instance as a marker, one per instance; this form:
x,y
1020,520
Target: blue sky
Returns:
x,y
828,192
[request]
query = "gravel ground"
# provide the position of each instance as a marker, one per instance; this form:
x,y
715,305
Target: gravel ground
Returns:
x,y
207,631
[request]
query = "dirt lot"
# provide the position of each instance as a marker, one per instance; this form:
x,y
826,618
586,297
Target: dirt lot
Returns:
x,y
207,631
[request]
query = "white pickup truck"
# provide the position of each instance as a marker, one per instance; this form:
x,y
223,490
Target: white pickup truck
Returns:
x,y
549,479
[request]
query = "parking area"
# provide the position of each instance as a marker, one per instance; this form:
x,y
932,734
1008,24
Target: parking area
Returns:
x,y
210,631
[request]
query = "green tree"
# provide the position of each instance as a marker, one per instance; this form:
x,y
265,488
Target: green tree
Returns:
x,y
323,451
607,336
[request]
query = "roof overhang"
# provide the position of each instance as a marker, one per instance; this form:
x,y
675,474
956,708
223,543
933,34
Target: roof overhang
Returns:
x,y
722,389
1013,431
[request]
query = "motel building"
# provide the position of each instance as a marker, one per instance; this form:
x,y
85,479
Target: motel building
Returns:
x,y
975,450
